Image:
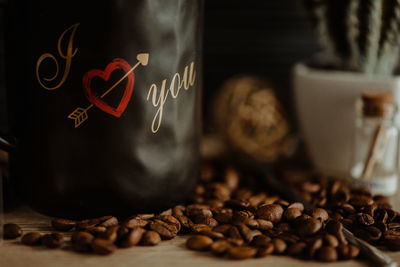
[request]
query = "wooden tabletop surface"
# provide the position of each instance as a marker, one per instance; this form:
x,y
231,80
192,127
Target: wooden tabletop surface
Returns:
x,y
168,253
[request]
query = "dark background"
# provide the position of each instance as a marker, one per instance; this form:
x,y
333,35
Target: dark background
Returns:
x,y
256,37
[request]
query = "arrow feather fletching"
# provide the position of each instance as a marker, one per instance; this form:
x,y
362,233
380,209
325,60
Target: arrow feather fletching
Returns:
x,y
79,115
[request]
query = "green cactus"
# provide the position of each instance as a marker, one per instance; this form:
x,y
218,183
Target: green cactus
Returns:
x,y
362,35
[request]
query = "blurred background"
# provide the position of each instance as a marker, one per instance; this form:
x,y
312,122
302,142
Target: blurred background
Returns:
x,y
256,37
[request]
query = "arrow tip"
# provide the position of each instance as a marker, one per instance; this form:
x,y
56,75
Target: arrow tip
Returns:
x,y
143,58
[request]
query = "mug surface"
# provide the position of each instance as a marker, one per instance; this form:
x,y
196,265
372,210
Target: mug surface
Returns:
x,y
104,99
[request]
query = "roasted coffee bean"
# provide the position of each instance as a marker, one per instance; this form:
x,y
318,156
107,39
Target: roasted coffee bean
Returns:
x,y
361,200
381,215
223,215
150,238
373,233
292,213
234,232
242,216
220,247
11,231
82,241
103,247
219,191
223,229
195,210
289,238
391,215
327,253
212,234
246,233
265,250
54,240
331,240
297,205
235,241
279,245
252,223
166,231
272,212
132,238
310,187
111,234
62,224
135,222
261,241
319,213
171,220
296,249
336,228
241,253
207,220
111,221
197,228
282,203
370,209
32,239
167,212
122,232
347,252
231,178
365,219
257,199
237,204
264,224
314,246
392,242
309,227
199,242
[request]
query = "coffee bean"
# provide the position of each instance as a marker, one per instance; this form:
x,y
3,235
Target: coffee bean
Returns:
x,y
246,233
82,241
347,252
237,204
289,238
309,227
261,240
235,241
310,187
212,234
135,222
296,249
62,224
32,239
373,234
150,238
223,229
264,224
365,219
234,232
231,178
11,231
265,250
327,253
272,212
132,238
195,210
197,228
242,216
167,212
223,215
199,242
96,230
319,213
257,199
331,240
103,247
361,200
111,234
207,220
220,247
314,246
279,245
54,240
166,231
241,253
297,205
292,213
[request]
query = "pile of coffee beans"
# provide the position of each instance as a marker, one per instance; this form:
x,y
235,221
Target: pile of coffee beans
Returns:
x,y
369,217
231,215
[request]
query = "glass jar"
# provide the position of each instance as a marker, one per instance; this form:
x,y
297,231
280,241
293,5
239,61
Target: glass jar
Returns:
x,y
375,153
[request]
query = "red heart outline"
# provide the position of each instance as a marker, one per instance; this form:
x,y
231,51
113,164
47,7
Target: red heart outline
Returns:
x,y
117,63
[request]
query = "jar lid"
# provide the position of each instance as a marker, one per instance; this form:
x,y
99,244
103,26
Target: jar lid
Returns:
x,y
376,103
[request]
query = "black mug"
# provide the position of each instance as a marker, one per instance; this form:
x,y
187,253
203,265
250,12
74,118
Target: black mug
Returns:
x,y
104,102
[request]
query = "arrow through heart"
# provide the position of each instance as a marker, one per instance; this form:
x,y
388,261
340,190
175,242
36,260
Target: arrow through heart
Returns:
x,y
79,115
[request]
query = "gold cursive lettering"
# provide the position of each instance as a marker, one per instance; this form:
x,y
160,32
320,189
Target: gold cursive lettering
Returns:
x,y
70,53
158,99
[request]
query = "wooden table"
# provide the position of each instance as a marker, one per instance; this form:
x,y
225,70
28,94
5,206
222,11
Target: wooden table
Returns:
x,y
168,253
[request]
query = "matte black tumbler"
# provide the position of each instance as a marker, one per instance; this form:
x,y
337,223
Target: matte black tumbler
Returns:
x,y
104,100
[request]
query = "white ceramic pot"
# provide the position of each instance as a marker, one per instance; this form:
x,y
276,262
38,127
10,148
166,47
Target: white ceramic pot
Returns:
x,y
325,104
